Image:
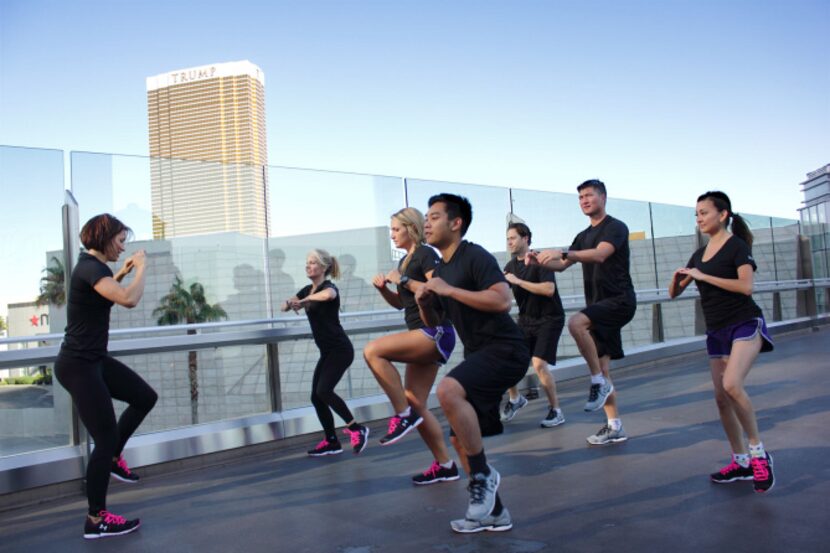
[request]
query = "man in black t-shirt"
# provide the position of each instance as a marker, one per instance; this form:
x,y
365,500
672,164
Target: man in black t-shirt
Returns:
x,y
468,288
541,318
602,249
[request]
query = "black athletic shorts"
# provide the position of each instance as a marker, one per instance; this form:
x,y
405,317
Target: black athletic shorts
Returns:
x,y
542,336
485,375
607,317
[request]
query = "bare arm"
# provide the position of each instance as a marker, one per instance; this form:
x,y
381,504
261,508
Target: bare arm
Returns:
x,y
392,298
679,283
127,296
539,288
495,299
741,285
603,251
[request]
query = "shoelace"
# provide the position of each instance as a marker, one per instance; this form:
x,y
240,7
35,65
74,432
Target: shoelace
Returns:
x,y
394,423
760,469
110,518
433,469
477,488
594,394
354,436
122,464
604,430
322,444
733,466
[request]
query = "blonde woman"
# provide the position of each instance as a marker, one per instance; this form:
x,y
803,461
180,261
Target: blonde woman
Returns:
x,y
321,301
423,349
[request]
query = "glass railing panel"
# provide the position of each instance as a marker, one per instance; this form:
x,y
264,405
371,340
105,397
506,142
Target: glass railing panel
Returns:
x,y
345,214
34,412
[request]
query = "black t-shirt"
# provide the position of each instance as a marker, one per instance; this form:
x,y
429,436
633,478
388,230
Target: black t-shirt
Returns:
x,y
324,318
722,308
87,311
424,260
612,277
474,268
534,308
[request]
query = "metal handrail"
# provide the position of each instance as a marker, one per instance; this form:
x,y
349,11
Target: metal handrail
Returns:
x,y
297,328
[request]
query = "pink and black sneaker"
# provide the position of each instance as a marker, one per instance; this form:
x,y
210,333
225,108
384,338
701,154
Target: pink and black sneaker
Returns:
x,y
359,438
731,473
436,473
400,427
109,525
325,447
762,475
120,471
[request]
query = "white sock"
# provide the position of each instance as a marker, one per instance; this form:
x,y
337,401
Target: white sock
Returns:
x,y
405,413
447,465
597,379
757,450
741,458
614,424
517,400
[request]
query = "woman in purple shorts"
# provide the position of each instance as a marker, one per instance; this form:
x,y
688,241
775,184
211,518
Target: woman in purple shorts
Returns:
x,y
422,348
735,332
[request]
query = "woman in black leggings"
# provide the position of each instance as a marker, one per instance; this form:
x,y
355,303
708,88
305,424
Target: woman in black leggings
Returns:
x,y
321,301
92,377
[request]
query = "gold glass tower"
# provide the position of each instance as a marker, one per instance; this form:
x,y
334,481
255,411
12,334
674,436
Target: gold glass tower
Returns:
x,y
208,150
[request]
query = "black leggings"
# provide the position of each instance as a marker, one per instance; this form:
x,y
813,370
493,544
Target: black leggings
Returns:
x,y
93,385
329,370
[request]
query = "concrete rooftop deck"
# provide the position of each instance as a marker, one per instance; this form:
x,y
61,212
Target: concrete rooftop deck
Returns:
x,y
651,493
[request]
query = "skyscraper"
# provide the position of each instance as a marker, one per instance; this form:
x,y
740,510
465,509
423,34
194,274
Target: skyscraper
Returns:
x,y
208,149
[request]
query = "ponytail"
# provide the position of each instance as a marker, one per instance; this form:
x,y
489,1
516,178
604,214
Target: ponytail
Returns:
x,y
741,229
334,268
738,224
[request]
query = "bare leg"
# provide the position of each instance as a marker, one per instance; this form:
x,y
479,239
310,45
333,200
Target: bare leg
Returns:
x,y
611,411
579,327
461,415
729,421
513,393
546,380
406,347
419,380
744,353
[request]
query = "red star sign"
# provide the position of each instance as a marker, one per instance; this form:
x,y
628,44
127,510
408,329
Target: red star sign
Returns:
x,y
34,320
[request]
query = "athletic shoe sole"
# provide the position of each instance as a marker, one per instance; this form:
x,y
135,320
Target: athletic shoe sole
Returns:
x,y
338,452
402,434
476,529
111,534
736,479
609,442
437,480
122,479
551,424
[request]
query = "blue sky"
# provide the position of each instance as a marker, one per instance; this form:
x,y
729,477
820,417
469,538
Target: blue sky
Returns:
x,y
662,100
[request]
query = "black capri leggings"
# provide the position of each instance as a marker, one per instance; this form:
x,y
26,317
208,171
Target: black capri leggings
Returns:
x,y
329,370
93,385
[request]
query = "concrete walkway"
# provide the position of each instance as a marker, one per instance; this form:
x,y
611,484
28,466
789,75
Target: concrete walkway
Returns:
x,y
651,493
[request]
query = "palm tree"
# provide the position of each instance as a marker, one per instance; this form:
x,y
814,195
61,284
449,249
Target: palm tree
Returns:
x,y
52,287
188,306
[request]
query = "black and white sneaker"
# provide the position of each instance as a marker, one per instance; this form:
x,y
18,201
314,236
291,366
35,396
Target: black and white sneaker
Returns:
x,y
325,447
436,473
109,525
400,427
358,438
